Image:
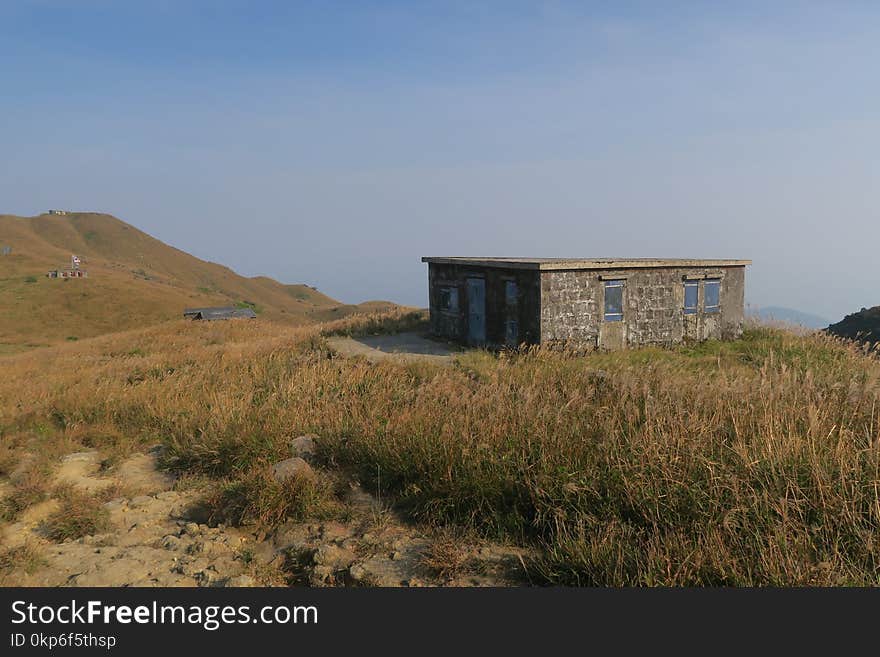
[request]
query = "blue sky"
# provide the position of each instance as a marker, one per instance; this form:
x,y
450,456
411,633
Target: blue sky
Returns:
x,y
336,143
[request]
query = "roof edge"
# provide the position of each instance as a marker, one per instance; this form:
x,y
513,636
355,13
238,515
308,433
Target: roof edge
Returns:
x,y
586,263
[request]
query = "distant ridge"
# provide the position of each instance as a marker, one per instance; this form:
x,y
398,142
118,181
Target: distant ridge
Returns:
x,y
863,326
789,316
134,280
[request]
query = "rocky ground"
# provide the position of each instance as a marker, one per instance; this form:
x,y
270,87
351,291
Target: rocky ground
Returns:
x,y
159,536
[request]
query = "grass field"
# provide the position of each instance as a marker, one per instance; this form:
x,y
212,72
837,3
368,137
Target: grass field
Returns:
x,y
134,280
754,462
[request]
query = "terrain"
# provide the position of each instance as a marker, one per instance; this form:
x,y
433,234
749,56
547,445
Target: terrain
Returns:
x,y
863,326
134,280
235,453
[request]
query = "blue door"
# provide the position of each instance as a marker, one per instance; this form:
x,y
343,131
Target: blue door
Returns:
x,y
476,291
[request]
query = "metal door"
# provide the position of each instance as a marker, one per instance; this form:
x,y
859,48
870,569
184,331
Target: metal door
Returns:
x,y
476,291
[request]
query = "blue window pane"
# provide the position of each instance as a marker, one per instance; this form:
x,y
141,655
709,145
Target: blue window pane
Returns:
x,y
691,292
711,295
510,293
613,301
447,299
512,332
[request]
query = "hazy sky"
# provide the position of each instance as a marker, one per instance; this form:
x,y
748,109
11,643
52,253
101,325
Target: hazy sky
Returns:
x,y
336,143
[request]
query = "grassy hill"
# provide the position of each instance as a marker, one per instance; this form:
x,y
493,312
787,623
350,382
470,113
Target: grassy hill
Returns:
x,y
134,280
751,462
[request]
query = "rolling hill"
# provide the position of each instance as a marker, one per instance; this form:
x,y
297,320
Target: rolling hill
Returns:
x,y
134,280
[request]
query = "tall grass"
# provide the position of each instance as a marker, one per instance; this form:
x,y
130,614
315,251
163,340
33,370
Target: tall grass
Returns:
x,y
753,462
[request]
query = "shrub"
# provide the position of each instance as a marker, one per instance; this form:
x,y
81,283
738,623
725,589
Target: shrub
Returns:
x,y
79,514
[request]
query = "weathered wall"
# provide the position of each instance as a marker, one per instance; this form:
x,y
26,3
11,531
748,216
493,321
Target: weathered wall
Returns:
x,y
572,307
454,325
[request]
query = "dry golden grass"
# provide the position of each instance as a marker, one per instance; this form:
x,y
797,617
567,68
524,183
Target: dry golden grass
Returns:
x,y
79,514
25,558
134,281
754,462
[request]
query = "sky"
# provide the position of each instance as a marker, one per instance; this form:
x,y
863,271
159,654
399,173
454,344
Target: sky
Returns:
x,y
335,143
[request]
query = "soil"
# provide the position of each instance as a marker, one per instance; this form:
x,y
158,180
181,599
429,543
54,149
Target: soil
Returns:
x,y
159,536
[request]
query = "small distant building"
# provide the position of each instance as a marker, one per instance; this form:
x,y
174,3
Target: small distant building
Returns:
x,y
58,212
608,303
67,273
220,312
73,272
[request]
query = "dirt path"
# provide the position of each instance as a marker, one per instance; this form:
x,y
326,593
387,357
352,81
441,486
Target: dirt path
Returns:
x,y
152,540
400,346
157,536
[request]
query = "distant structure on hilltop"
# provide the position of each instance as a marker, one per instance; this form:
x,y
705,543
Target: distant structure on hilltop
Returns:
x,y
58,212
220,312
75,270
607,303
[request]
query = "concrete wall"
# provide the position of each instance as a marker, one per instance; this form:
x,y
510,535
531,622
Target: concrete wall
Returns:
x,y
572,307
454,326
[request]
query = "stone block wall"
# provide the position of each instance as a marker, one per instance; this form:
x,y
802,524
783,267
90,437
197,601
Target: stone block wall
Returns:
x,y
572,307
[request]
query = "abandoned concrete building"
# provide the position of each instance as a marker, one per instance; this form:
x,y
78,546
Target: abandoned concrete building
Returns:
x,y
606,303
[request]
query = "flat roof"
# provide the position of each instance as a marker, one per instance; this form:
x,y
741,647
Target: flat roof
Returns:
x,y
549,264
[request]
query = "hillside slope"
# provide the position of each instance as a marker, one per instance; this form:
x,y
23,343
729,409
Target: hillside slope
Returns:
x,y
134,280
863,326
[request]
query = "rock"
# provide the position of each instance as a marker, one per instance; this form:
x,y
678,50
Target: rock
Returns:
x,y
291,468
191,529
242,581
171,542
304,446
330,531
320,575
115,505
207,548
140,501
197,512
207,577
358,572
332,556
167,495
88,457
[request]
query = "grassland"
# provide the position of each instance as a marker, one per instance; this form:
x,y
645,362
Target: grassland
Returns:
x,y
754,462
134,280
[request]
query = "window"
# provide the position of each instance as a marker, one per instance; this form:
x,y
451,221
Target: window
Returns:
x,y
711,295
511,292
512,332
614,301
691,292
447,299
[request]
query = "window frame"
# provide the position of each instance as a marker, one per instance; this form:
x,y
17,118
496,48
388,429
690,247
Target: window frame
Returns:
x,y
453,296
508,300
695,285
715,308
613,283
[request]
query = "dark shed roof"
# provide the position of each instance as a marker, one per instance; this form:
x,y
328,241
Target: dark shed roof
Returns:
x,y
221,312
